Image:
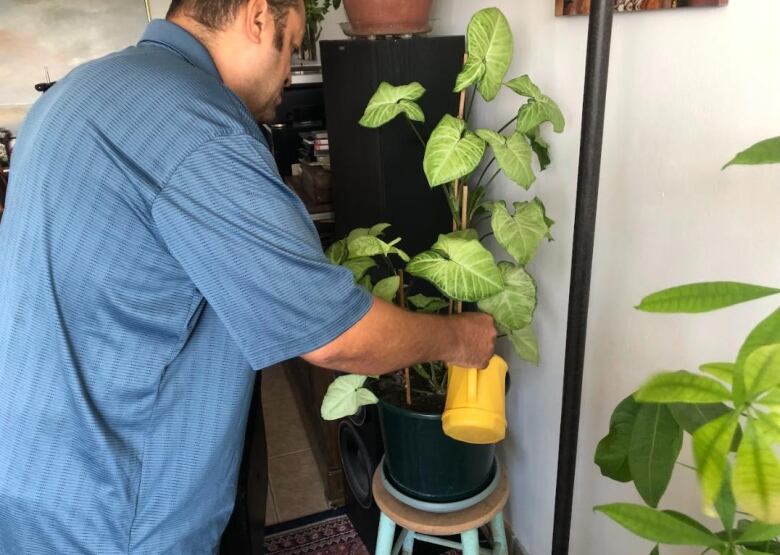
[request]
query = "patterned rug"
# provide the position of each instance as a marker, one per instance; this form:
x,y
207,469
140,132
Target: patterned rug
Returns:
x,y
332,535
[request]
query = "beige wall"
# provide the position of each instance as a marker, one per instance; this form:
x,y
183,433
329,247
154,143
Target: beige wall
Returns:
x,y
688,88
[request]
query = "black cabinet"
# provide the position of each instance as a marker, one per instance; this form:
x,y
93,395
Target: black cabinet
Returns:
x,y
377,173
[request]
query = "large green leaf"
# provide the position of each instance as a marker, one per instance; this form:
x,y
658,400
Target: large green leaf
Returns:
x,y
764,152
537,111
525,343
724,371
462,269
489,47
762,370
387,288
711,443
424,303
682,387
703,297
513,307
658,526
513,154
522,232
359,266
756,479
758,531
345,396
692,416
368,245
390,101
612,451
656,440
452,151
766,332
524,87
337,252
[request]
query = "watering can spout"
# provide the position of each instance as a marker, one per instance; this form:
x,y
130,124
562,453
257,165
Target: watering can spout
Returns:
x,y
475,408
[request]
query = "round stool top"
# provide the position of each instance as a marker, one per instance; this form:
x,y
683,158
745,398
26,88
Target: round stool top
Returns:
x,y
441,524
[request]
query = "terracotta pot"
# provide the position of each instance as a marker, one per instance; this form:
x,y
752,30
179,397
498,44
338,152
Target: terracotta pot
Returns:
x,y
391,16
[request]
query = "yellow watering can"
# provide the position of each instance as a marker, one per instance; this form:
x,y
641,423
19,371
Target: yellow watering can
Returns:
x,y
475,409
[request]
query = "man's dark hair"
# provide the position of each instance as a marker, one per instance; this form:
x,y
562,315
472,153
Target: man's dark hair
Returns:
x,y
216,14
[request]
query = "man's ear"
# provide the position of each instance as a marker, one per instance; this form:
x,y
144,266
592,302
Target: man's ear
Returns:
x,y
256,18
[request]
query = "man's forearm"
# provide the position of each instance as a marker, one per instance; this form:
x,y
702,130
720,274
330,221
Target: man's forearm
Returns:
x,y
388,338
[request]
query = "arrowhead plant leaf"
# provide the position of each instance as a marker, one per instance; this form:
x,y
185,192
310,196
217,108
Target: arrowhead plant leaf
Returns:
x,y
452,151
489,53
390,101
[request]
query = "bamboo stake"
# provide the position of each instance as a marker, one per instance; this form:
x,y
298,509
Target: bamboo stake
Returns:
x,y
463,223
148,11
402,302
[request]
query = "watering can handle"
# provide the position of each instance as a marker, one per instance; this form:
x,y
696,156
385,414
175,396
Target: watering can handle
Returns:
x,y
472,385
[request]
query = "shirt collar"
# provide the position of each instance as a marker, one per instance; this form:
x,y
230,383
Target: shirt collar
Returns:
x,y
176,38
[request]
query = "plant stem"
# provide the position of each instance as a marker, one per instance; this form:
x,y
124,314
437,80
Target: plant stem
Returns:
x,y
422,142
686,465
500,336
510,122
484,171
485,236
492,178
471,102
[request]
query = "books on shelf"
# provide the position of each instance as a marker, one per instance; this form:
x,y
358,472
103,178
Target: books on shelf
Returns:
x,y
315,148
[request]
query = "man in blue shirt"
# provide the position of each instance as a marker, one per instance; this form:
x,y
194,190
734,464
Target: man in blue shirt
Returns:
x,y
151,260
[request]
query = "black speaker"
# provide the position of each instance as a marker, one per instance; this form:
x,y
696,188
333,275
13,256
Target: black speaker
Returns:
x,y
377,173
361,449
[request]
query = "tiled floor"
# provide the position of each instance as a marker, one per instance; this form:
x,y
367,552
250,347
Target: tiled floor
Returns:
x,y
295,488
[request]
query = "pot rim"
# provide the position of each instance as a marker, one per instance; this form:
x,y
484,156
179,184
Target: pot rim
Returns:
x,y
409,412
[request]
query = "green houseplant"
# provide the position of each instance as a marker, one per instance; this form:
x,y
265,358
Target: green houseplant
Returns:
x,y
315,15
457,264
732,412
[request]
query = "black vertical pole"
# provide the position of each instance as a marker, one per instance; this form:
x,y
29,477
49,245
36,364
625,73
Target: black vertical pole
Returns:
x,y
596,67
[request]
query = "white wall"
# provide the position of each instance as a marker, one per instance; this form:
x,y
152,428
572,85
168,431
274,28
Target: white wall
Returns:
x,y
688,88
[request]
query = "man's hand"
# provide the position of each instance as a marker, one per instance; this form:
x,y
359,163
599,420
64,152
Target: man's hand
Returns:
x,y
388,338
477,340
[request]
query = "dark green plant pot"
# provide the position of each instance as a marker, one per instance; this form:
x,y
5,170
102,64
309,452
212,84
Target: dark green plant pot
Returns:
x,y
423,463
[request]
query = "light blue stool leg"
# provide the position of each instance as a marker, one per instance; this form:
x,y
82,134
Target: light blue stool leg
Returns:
x,y
500,546
470,541
408,543
384,540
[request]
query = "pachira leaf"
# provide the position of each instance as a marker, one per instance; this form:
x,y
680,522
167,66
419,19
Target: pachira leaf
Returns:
x,y
703,297
756,479
359,266
682,387
525,343
656,440
538,111
762,370
520,233
390,101
758,531
655,551
462,269
452,151
763,152
692,416
513,307
765,333
524,87
612,451
424,303
658,526
345,396
513,154
711,444
387,288
489,47
724,371
725,505
337,252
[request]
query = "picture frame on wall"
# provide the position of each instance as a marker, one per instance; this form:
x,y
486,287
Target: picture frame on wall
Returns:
x,y
582,7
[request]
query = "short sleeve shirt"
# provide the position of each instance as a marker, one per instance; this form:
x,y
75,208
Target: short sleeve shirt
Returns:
x,y
151,259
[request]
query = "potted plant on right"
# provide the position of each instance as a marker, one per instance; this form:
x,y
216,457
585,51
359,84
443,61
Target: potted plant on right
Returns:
x,y
421,461
731,410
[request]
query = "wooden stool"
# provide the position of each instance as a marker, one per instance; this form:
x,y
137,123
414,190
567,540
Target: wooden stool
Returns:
x,y
425,526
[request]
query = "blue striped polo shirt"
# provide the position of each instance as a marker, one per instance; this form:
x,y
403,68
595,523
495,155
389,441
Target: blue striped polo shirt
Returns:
x,y
151,259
